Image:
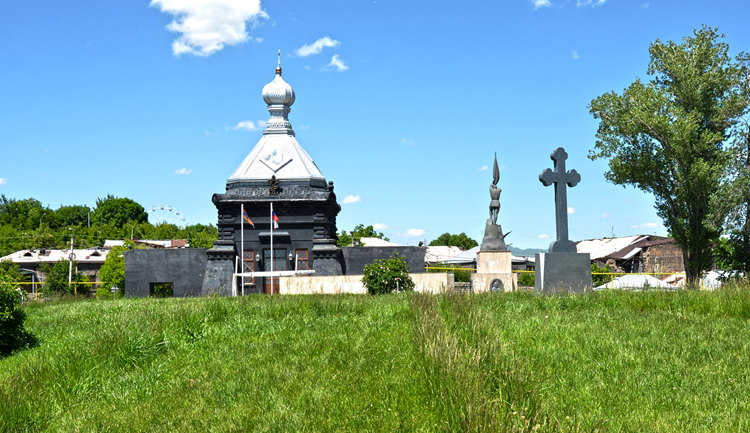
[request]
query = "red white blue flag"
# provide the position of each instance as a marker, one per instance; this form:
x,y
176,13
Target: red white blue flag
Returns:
x,y
247,218
275,221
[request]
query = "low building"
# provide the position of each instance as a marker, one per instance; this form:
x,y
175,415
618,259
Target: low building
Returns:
x,y
635,254
88,261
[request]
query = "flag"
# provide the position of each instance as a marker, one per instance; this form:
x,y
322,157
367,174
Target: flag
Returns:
x,y
275,221
247,218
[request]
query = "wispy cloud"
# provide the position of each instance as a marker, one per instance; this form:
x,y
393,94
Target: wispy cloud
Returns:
x,y
540,3
184,171
337,63
245,125
571,210
378,226
316,47
645,226
605,215
349,199
3,181
407,142
645,5
483,168
207,25
543,236
584,3
574,54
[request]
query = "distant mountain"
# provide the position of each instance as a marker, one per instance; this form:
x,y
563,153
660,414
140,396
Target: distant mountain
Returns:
x,y
526,252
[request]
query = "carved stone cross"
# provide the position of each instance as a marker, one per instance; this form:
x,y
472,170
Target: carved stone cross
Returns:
x,y
560,177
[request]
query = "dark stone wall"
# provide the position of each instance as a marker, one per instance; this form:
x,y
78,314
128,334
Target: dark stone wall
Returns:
x,y
355,258
183,267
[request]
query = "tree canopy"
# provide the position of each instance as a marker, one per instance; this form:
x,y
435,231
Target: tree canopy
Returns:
x,y
118,211
668,136
346,239
459,240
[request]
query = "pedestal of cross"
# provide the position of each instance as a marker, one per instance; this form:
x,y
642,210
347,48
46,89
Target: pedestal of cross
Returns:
x,y
559,177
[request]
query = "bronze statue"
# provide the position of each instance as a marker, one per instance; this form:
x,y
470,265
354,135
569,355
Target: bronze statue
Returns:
x,y
495,193
494,239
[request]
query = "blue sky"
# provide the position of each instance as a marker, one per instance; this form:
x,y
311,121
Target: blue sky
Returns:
x,y
403,105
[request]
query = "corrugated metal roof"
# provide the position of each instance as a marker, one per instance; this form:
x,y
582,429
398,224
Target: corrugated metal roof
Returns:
x,y
440,253
600,248
376,242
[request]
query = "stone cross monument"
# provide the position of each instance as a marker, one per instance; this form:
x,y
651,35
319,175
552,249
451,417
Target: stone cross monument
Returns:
x,y
559,177
562,269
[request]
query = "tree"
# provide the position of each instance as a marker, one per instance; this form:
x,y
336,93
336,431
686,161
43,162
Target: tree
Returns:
x,y
26,214
667,137
118,211
360,231
68,216
57,279
112,272
733,253
460,240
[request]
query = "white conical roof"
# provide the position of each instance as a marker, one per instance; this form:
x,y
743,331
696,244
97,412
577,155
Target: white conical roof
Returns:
x,y
278,153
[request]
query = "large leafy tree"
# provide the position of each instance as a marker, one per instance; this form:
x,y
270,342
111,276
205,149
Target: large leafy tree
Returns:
x,y
459,240
360,231
118,211
668,136
74,215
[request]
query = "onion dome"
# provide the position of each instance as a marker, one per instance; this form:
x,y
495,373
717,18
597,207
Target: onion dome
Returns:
x,y
278,92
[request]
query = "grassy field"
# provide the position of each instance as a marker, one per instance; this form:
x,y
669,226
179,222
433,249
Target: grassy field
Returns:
x,y
608,361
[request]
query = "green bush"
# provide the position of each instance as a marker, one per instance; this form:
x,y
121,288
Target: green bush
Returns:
x,y
387,276
57,280
13,336
526,279
598,280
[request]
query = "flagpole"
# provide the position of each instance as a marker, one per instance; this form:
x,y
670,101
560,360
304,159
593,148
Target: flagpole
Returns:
x,y
272,253
242,249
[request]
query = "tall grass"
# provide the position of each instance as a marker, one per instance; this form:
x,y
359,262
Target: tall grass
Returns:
x,y
607,361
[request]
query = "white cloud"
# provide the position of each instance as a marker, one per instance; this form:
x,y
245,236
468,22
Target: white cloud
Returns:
x,y
407,142
261,124
540,3
644,5
349,199
415,233
605,215
378,226
316,47
207,25
571,210
208,132
543,236
339,64
645,226
3,181
584,3
483,168
184,171
574,54
246,125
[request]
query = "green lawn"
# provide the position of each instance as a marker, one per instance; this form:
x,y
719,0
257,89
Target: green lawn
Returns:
x,y
608,361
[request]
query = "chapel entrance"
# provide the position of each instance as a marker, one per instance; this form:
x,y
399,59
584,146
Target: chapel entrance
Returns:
x,y
279,264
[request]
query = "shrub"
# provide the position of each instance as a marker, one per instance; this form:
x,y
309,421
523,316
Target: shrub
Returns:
x,y
387,276
112,273
598,280
526,279
57,279
13,336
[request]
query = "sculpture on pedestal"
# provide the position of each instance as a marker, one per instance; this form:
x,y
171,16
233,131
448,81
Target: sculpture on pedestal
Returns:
x,y
494,239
